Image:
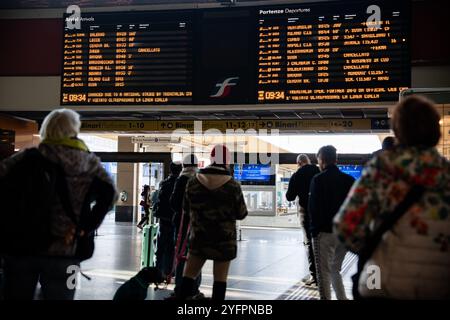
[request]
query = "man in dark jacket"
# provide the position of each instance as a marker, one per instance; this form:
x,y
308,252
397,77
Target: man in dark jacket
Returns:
x,y
299,187
190,168
387,144
327,193
166,234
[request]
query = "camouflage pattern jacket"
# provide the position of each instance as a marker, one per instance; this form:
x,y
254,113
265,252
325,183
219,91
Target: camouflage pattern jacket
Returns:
x,y
214,201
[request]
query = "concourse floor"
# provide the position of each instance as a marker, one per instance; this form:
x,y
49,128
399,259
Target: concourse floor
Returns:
x,y
269,266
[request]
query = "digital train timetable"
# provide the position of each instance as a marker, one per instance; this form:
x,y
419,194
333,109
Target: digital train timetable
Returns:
x,y
299,54
130,58
324,53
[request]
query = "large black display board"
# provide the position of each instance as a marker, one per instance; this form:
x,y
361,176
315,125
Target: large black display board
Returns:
x,y
308,53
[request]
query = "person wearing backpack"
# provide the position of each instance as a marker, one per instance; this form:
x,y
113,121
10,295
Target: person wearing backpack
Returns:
x,y
51,190
166,235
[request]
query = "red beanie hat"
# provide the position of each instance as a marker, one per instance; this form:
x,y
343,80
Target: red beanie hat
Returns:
x,y
220,154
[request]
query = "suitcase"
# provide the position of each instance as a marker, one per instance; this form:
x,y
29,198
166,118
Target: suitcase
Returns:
x,y
149,237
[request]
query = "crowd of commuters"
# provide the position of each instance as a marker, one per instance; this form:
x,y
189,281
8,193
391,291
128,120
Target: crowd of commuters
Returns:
x,y
197,212
396,217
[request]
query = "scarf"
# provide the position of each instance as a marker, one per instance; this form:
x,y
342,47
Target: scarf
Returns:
x,y
73,143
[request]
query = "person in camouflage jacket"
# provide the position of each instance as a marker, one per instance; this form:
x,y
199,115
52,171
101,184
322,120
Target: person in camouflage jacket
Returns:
x,y
214,201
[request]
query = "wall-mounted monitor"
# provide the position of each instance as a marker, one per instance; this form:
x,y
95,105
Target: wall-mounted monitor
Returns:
x,y
254,174
354,170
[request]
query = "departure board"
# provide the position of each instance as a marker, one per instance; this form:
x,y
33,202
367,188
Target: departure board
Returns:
x,y
134,58
309,53
332,52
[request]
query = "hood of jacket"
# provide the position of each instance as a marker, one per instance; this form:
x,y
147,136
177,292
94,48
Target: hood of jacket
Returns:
x,y
189,171
213,177
418,166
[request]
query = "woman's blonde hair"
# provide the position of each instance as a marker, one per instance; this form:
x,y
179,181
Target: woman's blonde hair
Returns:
x,y
60,124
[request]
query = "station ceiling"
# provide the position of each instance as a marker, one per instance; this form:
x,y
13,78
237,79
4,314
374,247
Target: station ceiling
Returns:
x,y
309,114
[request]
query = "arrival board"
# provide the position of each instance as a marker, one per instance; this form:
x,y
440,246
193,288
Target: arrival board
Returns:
x,y
333,52
132,58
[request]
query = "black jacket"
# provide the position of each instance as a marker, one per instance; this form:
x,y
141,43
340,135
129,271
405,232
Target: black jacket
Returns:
x,y
176,200
327,193
299,184
163,210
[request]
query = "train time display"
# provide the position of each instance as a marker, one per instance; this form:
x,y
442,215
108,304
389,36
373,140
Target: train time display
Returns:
x,y
337,52
132,58
323,53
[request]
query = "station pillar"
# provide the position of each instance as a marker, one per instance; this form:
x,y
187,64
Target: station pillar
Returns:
x,y
127,178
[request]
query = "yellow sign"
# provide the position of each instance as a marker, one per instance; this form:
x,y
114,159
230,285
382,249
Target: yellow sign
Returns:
x,y
224,126
174,125
122,126
336,125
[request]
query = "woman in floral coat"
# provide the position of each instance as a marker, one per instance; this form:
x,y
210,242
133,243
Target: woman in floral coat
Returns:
x,y
413,257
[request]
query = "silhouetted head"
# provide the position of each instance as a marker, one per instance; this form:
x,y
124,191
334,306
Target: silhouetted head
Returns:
x,y
416,123
303,159
220,156
327,155
60,124
388,143
175,168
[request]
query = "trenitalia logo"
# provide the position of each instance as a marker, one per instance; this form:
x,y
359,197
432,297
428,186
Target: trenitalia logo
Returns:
x,y
225,87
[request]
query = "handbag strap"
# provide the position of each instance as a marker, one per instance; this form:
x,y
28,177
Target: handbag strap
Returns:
x,y
413,196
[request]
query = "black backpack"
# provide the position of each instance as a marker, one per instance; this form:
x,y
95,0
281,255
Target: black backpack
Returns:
x,y
27,194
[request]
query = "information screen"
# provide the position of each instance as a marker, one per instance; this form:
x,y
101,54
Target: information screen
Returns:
x,y
332,53
253,173
296,54
133,58
355,171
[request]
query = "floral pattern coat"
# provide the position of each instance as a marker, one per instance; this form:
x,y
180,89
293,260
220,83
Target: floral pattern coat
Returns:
x,y
413,257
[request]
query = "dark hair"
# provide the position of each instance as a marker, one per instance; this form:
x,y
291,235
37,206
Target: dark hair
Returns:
x,y
388,143
416,122
327,154
175,168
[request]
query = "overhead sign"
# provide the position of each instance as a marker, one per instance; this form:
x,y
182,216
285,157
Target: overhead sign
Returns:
x,y
121,125
155,140
302,53
237,126
336,125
